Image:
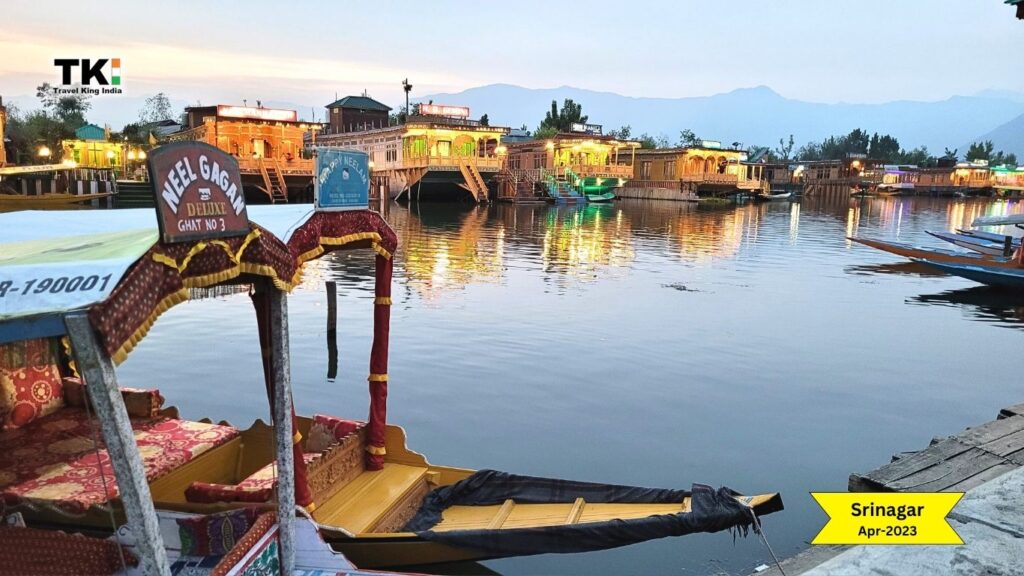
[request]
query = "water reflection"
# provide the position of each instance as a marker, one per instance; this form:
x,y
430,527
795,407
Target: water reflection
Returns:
x,y
906,268
981,303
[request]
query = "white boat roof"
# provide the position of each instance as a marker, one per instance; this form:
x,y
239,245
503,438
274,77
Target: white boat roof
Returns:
x,y
60,260
1004,220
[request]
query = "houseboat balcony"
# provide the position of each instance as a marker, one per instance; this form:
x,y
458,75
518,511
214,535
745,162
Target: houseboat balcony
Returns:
x,y
488,164
601,171
295,166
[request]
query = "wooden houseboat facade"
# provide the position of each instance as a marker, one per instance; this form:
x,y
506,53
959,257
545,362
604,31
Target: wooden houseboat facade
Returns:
x,y
696,171
268,144
442,156
570,166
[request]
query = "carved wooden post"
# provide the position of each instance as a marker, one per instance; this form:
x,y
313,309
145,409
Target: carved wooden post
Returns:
x,y
283,429
98,371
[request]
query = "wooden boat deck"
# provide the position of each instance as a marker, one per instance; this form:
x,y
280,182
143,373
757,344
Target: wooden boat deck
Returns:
x,y
956,463
362,503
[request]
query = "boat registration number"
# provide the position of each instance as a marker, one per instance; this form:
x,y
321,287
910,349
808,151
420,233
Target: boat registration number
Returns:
x,y
57,285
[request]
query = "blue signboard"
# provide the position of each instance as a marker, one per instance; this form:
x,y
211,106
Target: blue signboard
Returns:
x,y
342,179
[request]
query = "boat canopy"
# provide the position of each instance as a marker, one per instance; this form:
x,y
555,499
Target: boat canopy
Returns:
x,y
47,270
1004,220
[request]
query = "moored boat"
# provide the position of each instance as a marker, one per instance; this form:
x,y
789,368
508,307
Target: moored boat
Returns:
x,y
370,496
991,275
936,254
977,244
43,201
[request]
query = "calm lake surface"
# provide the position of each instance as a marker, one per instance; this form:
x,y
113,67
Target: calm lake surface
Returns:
x,y
644,343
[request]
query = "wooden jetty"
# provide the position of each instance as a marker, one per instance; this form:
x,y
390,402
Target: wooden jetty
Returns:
x,y
953,464
956,463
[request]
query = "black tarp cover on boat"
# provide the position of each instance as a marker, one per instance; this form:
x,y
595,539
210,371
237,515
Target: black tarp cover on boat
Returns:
x,y
711,511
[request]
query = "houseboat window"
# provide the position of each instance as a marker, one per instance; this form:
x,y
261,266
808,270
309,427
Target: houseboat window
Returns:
x,y
416,147
538,160
444,148
645,170
670,170
464,146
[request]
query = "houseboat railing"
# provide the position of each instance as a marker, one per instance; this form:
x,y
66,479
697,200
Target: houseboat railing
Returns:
x,y
488,163
295,166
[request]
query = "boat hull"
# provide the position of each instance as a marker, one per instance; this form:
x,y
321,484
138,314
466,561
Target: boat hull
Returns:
x,y
19,202
992,276
973,243
936,255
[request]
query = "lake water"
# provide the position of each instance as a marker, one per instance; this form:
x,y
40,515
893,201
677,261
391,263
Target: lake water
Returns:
x,y
644,343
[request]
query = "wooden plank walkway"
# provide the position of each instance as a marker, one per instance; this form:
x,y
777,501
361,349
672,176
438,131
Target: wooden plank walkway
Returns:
x,y
953,464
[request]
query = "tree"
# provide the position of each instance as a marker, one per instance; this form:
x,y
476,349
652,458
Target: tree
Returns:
x,y
1000,159
156,109
485,121
979,151
562,120
885,148
68,109
623,133
688,138
951,154
784,151
917,157
545,132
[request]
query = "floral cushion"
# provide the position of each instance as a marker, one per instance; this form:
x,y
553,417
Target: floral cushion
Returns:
x,y
214,534
258,487
30,385
326,431
141,403
54,462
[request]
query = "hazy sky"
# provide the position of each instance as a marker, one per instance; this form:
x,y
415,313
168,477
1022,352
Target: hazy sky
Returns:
x,y
304,52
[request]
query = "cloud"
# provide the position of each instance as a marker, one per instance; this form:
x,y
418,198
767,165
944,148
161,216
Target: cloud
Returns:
x,y
212,74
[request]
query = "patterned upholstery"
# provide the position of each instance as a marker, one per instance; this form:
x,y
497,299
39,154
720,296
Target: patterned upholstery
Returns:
x,y
30,385
140,403
326,431
258,487
52,461
214,534
52,553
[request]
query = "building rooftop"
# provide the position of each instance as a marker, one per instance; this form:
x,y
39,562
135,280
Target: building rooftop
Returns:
x,y
359,103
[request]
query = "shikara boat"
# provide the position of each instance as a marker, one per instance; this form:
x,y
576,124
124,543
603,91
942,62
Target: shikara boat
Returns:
x,y
936,254
1000,238
45,201
370,497
991,275
975,243
773,196
601,197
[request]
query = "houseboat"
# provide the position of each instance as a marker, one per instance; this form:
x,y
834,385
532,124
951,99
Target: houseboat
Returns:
x,y
438,153
267,142
3,129
705,170
574,166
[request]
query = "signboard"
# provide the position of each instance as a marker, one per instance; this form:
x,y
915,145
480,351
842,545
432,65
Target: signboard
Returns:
x,y
342,180
198,192
594,129
444,110
271,114
715,144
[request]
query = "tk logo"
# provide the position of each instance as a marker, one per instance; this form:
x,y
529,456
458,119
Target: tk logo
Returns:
x,y
91,70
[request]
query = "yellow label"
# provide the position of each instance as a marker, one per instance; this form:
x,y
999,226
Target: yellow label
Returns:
x,y
887,517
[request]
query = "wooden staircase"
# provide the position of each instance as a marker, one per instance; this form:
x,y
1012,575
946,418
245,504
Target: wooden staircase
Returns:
x,y
273,181
474,182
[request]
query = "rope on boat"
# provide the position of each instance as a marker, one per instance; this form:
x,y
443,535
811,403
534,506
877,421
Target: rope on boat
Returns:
x,y
760,532
103,479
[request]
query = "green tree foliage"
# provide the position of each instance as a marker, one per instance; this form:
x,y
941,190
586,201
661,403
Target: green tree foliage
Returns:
x,y
623,133
156,109
688,138
784,152
999,159
950,154
485,121
980,151
67,109
885,148
561,120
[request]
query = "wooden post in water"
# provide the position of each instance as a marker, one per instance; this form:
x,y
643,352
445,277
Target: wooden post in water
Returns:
x,y
332,330
1008,246
283,429
97,370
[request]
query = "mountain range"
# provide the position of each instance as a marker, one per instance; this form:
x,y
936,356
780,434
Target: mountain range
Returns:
x,y
761,116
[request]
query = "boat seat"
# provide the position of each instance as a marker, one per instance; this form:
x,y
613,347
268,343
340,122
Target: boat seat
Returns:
x,y
363,504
